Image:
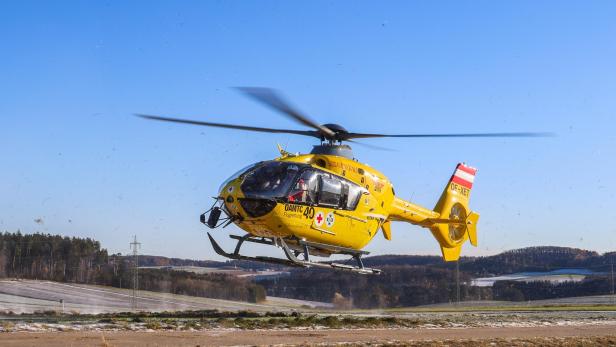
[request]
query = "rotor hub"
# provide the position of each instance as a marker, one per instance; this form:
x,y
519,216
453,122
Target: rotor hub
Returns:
x,y
336,128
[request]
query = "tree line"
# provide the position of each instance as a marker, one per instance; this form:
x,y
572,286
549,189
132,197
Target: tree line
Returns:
x,y
540,290
82,260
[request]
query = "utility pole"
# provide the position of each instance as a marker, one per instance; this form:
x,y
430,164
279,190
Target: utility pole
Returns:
x,y
612,277
135,247
458,282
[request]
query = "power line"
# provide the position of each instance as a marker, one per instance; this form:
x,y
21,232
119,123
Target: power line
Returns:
x,y
135,247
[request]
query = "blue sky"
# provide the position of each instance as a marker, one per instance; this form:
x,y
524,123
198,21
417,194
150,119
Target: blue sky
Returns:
x,y
73,73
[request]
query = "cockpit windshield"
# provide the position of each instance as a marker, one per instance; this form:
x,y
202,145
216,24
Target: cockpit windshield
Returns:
x,y
236,175
270,180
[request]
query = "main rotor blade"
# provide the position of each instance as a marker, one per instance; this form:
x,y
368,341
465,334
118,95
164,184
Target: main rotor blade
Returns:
x,y
232,126
348,136
270,98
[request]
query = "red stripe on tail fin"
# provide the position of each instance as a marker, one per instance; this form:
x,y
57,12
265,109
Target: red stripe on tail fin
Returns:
x,y
462,182
468,169
464,175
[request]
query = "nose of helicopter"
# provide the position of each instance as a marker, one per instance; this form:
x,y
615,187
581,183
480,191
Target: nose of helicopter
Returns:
x,y
246,207
230,194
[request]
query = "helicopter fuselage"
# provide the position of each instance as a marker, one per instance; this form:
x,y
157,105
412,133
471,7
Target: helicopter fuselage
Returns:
x,y
319,198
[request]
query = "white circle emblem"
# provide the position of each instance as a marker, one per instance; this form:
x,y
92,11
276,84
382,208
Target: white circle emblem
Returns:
x,y
330,219
318,219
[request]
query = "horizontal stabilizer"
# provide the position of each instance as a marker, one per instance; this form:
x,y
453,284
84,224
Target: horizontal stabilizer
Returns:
x,y
386,227
471,226
451,254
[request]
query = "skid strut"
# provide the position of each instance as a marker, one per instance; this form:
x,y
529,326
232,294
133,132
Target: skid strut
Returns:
x,y
292,254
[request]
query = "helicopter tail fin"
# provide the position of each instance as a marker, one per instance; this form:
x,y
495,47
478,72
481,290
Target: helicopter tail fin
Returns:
x,y
456,222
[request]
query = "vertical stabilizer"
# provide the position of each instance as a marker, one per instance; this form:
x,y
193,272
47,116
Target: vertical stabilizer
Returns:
x,y
457,223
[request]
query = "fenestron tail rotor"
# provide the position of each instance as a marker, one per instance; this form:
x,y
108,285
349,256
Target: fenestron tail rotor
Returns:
x,y
332,133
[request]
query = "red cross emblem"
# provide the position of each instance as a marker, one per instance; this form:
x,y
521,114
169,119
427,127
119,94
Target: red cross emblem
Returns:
x,y
318,219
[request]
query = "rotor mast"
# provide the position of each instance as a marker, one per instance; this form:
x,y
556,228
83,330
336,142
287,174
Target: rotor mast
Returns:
x,y
332,145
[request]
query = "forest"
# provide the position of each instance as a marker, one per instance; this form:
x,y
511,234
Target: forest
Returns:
x,y
538,290
82,260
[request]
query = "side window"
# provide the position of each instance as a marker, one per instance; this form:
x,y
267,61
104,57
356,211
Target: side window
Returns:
x,y
330,191
314,187
305,189
353,195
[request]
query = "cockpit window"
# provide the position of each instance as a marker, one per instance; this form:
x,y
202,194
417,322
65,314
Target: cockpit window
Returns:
x,y
236,175
270,180
305,189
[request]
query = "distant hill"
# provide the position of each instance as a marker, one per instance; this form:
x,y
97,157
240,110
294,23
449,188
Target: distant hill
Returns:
x,y
534,259
542,258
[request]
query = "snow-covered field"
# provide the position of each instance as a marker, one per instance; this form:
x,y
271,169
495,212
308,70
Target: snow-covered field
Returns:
x,y
554,276
27,296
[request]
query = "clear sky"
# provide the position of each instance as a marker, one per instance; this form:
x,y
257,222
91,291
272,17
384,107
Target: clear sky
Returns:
x,y
74,161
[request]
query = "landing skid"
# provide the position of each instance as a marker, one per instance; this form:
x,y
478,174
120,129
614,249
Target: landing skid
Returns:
x,y
292,252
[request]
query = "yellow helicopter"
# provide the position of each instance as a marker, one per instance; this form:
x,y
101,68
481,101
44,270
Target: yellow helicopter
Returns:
x,y
327,202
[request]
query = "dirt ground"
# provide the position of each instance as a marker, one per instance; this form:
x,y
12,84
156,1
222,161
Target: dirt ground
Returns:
x,y
533,336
